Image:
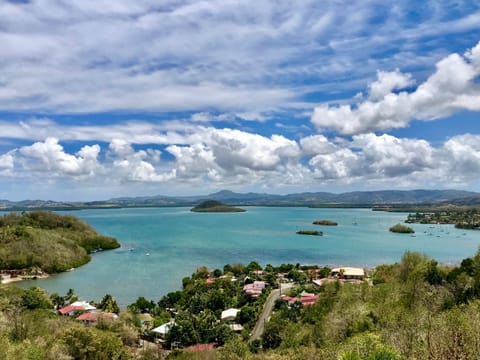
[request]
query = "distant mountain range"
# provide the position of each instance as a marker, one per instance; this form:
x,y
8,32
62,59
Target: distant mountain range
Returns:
x,y
320,199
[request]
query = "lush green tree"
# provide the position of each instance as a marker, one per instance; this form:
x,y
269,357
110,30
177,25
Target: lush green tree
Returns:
x,y
223,334
272,337
205,325
247,315
170,300
87,343
201,273
269,268
434,275
235,349
238,269
70,296
218,301
297,276
227,268
253,266
217,273
36,298
108,304
182,333
141,305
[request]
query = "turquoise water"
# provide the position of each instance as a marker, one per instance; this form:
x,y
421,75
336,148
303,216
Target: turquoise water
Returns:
x,y
179,241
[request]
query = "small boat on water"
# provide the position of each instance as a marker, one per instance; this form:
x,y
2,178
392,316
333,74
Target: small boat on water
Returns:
x,y
147,254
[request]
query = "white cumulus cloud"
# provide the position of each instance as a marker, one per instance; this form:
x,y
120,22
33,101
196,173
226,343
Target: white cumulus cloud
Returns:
x,y
453,87
126,164
461,158
49,156
388,81
226,154
7,163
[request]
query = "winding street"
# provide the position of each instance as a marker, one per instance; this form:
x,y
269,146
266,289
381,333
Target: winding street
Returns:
x,y
259,327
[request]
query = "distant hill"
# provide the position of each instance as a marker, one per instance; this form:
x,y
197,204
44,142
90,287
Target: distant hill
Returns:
x,y
214,206
314,199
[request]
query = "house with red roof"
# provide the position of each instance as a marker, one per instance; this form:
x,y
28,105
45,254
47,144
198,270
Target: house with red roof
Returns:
x,y
210,280
70,310
254,290
77,306
90,317
305,298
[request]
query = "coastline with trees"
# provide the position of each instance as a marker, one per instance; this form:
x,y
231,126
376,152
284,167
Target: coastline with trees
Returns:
x,y
468,219
34,244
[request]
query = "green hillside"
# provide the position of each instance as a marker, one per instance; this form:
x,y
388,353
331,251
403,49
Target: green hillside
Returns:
x,y
51,242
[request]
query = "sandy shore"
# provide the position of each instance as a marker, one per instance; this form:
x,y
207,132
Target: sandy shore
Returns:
x,y
6,279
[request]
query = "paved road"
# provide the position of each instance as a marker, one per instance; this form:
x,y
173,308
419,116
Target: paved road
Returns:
x,y
259,327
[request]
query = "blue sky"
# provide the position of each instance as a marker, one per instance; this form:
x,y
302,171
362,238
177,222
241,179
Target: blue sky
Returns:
x,y
118,98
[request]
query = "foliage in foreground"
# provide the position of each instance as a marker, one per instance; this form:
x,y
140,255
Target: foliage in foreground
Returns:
x,y
415,309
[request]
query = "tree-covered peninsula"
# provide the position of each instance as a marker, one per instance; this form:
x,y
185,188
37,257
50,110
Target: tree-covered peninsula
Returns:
x,y
214,206
47,241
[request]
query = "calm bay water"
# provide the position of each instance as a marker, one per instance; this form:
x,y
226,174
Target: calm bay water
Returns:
x,y
178,241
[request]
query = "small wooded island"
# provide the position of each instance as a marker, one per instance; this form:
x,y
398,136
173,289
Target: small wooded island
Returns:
x,y
48,242
399,228
310,232
325,222
214,206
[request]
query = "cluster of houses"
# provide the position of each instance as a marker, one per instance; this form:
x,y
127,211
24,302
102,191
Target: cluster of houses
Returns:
x,y
85,312
255,288
227,317
342,274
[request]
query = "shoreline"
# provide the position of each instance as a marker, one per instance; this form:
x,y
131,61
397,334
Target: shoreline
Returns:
x,y
9,280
